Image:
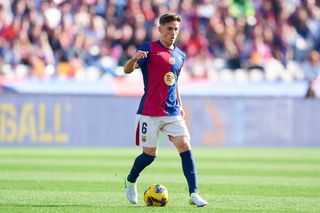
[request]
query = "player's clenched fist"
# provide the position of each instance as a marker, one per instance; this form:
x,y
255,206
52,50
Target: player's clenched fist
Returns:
x,y
139,55
132,63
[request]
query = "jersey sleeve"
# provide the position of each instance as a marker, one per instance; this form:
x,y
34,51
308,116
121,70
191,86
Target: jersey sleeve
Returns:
x,y
183,58
144,47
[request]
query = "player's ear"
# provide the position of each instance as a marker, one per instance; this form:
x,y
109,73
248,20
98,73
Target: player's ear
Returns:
x,y
159,28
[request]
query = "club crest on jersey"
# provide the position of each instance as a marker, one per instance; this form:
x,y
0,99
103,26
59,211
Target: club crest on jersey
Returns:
x,y
171,61
169,78
144,138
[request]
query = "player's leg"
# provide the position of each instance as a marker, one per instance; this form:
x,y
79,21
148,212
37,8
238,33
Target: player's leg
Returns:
x,y
179,136
142,161
189,169
146,135
188,163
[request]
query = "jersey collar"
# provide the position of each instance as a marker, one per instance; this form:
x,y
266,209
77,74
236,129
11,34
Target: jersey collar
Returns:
x,y
174,46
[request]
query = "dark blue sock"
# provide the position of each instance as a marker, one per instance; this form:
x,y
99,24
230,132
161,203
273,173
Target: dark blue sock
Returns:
x,y
141,162
189,170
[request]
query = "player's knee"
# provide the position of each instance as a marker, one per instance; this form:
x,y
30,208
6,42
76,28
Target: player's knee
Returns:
x,y
150,151
183,145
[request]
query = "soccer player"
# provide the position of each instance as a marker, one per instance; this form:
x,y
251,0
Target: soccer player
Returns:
x,y
160,108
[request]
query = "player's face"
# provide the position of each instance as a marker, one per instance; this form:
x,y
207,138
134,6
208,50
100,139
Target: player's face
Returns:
x,y
168,33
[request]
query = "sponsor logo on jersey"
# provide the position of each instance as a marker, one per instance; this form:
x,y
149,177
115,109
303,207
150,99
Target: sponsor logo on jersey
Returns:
x,y
169,78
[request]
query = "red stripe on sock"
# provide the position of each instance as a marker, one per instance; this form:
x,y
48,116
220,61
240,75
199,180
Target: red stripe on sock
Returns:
x,y
137,135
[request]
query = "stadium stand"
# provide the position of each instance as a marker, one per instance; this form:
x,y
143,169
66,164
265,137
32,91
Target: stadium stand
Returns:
x,y
233,41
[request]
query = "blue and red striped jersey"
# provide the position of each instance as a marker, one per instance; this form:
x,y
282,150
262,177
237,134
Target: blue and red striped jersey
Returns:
x,y
160,70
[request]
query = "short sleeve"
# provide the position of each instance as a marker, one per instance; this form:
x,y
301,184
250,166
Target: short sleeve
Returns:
x,y
144,47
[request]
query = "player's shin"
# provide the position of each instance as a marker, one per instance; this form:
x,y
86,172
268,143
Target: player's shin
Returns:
x,y
189,170
141,162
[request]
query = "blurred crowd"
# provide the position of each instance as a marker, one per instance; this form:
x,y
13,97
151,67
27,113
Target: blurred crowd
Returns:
x,y
226,40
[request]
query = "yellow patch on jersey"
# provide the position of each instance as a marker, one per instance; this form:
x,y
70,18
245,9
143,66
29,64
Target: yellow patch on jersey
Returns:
x,y
171,61
169,78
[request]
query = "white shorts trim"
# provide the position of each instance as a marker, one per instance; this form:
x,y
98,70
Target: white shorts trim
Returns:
x,y
149,127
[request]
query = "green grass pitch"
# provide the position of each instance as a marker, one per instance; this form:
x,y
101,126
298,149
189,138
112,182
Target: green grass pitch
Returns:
x,y
91,180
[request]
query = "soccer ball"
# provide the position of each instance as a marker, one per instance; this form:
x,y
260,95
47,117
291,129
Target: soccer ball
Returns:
x,y
156,195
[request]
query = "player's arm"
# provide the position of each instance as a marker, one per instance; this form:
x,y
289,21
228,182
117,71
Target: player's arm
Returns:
x,y
179,101
132,64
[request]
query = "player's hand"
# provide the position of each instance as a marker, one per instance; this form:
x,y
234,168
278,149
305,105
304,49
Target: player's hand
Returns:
x,y
182,112
139,55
